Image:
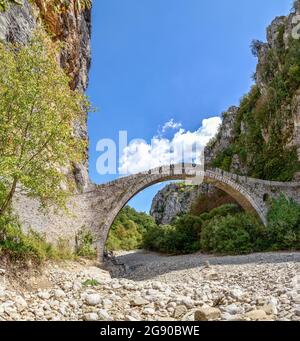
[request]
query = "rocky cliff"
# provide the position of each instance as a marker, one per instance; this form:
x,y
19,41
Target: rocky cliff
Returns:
x,y
261,137
177,199
69,27
171,201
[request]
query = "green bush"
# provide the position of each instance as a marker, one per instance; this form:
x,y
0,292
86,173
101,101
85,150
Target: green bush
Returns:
x,y
128,229
32,246
284,224
221,211
159,238
232,234
223,230
85,244
90,283
180,238
19,246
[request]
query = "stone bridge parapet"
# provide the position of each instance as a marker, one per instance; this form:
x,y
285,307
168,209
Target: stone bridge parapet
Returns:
x,y
97,208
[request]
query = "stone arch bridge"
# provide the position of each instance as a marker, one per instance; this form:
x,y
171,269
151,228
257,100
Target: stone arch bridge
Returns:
x,y
98,207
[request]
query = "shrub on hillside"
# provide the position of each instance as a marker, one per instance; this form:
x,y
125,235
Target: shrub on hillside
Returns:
x,y
18,246
180,238
221,211
232,234
85,244
127,230
284,224
21,247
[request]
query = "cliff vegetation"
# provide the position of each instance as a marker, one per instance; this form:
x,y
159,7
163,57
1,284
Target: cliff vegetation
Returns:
x,y
265,139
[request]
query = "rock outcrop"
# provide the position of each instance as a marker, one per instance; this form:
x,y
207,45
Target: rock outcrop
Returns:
x,y
257,133
225,135
17,23
177,199
256,138
174,200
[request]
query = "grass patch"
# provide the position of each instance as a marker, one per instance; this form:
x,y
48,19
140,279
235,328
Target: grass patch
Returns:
x,y
85,242
90,283
32,246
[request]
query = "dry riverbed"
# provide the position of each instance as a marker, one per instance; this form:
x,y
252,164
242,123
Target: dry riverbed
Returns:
x,y
149,286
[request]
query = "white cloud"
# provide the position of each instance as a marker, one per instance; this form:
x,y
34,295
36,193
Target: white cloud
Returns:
x,y
171,125
185,146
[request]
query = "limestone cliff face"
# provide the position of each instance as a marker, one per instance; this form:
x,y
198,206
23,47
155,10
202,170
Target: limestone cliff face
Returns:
x,y
257,132
266,127
225,135
280,25
71,28
176,199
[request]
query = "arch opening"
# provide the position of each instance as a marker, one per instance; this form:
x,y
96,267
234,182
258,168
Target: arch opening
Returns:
x,y
234,190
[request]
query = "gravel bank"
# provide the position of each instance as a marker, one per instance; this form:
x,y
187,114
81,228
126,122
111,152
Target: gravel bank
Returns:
x,y
255,287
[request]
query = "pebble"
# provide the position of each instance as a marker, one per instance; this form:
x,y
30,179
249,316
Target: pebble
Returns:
x,y
59,293
149,311
93,299
91,317
233,309
104,315
180,311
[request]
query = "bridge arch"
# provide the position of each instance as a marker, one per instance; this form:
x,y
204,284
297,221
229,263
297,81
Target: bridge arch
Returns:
x,y
126,188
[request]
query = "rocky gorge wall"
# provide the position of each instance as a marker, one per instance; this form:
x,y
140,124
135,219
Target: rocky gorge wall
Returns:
x,y
261,137
177,199
256,132
72,28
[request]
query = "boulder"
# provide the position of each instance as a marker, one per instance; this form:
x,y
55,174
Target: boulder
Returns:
x,y
257,315
207,314
180,311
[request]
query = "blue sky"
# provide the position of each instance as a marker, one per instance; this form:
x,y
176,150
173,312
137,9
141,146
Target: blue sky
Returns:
x,y
157,60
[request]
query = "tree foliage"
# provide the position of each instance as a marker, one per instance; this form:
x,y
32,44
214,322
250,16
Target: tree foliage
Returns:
x,y
232,234
37,119
284,224
228,230
128,229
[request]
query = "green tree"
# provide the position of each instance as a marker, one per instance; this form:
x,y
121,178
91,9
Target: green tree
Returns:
x,y
284,224
38,113
127,230
233,234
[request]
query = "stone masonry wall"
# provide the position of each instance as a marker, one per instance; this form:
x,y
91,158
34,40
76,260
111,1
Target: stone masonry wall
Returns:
x,y
97,208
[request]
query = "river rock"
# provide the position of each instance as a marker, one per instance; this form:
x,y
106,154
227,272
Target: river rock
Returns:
x,y
104,315
207,314
93,299
257,315
180,311
139,301
91,317
271,307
